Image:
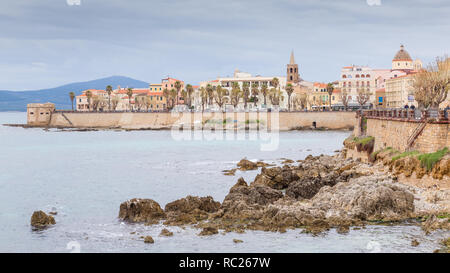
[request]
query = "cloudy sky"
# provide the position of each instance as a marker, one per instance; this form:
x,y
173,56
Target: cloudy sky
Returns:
x,y
46,43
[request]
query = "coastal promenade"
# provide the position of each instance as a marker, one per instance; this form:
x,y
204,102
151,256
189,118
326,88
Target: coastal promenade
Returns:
x,y
282,121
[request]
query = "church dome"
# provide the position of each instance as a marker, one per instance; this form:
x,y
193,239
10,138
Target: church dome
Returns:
x,y
402,55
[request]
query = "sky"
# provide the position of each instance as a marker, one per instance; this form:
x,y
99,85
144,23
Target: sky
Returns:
x,y
47,43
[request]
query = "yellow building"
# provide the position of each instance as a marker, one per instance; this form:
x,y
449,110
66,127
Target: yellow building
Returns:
x,y
399,91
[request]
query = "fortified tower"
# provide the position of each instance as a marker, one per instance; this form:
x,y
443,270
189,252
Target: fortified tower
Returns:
x,y
292,71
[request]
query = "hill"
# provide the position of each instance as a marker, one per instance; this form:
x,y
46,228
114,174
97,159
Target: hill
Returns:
x,y
18,100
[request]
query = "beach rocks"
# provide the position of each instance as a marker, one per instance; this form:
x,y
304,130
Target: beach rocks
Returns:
x,y
149,240
433,223
190,210
139,210
442,168
40,219
166,232
237,241
276,178
247,165
208,231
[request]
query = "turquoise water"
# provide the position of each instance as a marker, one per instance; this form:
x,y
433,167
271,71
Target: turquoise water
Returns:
x,y
85,176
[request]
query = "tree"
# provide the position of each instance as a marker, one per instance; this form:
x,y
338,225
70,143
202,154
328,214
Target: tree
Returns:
x,y
255,93
275,82
89,97
173,97
289,91
344,98
203,97
236,94
109,90
147,102
330,90
129,94
72,97
245,93
275,96
210,92
114,103
178,86
220,96
363,96
166,94
264,92
189,91
303,100
431,85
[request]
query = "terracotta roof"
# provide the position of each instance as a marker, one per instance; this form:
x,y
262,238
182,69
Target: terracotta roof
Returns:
x,y
321,85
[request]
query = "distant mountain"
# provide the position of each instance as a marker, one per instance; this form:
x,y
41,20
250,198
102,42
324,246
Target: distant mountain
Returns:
x,y
17,100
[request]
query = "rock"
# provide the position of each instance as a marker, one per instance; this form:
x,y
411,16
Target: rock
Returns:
x,y
442,168
365,198
276,178
166,232
141,210
229,172
148,240
247,165
208,231
343,229
53,213
287,161
415,242
237,241
433,223
190,210
40,219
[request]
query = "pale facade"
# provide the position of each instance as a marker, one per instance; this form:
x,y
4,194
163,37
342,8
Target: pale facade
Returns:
x,y
399,92
39,113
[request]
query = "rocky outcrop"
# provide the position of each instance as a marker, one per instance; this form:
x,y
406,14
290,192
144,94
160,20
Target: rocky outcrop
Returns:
x,y
190,210
141,210
40,219
208,231
247,165
433,223
442,168
149,240
276,178
166,232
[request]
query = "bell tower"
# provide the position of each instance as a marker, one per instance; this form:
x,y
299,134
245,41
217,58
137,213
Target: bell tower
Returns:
x,y
292,71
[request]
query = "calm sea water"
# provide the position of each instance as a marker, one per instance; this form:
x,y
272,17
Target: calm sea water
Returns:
x,y
85,176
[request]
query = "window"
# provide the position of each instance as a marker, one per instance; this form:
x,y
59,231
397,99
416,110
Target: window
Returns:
x,y
357,75
31,113
344,76
362,76
367,76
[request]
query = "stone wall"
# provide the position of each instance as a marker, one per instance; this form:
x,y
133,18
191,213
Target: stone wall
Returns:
x,y
282,121
395,134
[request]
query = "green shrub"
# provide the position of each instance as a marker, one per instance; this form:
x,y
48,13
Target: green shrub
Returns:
x,y
405,154
429,160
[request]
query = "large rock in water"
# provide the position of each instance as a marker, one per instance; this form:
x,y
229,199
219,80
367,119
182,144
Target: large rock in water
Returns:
x,y
276,178
247,165
40,219
190,210
139,210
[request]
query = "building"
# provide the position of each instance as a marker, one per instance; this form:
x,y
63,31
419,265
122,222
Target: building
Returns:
x,y
169,84
39,113
85,102
399,91
292,73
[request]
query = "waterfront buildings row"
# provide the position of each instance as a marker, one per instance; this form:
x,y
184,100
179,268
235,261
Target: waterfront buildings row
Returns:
x,y
386,88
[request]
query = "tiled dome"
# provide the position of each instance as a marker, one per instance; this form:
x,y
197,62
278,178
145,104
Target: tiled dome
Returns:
x,y
402,55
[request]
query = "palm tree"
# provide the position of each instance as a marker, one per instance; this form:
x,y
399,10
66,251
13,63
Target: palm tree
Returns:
x,y
289,91
330,90
210,92
178,88
275,96
275,82
245,93
129,94
189,91
236,94
255,92
72,97
109,91
89,96
166,94
264,92
173,97
203,97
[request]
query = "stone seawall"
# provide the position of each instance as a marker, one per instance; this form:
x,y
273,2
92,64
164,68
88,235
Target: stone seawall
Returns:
x,y
395,134
282,121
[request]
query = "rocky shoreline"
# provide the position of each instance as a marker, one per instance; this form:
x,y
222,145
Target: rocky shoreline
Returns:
x,y
315,194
